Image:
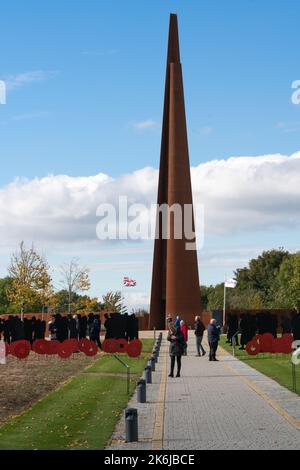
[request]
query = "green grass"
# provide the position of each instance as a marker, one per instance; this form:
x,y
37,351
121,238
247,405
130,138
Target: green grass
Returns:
x,y
82,414
276,366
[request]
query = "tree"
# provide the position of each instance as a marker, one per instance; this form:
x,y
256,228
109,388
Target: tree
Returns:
x,y
287,287
30,277
74,279
261,274
204,296
86,305
60,301
5,304
82,304
244,299
113,301
215,297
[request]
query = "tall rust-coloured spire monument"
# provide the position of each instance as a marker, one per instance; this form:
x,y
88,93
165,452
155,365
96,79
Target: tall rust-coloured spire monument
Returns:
x,y
175,279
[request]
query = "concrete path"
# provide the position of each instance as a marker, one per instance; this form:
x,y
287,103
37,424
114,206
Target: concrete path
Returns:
x,y
214,405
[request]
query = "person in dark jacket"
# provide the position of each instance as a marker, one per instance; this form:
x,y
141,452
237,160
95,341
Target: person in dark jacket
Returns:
x,y
72,327
199,332
108,326
132,327
59,328
233,328
28,329
213,339
82,322
296,326
177,345
244,327
7,335
286,325
274,325
18,329
95,329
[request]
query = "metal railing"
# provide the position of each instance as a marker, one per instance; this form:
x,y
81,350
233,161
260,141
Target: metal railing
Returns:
x,y
127,369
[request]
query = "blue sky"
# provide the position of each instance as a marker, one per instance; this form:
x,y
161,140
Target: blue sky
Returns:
x,y
86,87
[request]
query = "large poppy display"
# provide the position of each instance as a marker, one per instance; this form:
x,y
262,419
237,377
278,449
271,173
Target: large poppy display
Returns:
x,y
268,344
21,349
133,349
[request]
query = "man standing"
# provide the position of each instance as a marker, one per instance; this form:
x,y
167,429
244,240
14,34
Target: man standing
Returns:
x,y
213,339
199,332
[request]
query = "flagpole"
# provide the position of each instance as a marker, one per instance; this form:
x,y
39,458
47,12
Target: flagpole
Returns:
x,y
122,293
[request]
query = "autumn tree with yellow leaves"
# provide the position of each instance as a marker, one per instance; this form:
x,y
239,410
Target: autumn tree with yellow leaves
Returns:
x,y
74,279
30,276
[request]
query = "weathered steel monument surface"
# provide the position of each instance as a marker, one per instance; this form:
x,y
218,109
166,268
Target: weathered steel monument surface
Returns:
x,y
175,280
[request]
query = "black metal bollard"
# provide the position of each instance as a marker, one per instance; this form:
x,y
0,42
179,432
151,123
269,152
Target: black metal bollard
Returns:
x,y
131,425
141,391
155,353
148,375
152,363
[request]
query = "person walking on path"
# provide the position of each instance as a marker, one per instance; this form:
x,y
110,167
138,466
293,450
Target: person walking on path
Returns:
x,y
177,344
213,339
184,331
199,332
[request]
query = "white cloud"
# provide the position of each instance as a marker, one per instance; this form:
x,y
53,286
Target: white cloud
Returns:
x,y
134,299
143,125
122,266
62,208
241,194
249,193
16,81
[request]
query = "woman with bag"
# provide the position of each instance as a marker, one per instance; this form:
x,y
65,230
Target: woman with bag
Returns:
x,y
177,345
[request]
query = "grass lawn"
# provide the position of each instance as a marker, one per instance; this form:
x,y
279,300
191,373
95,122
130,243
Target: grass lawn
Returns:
x,y
81,414
276,366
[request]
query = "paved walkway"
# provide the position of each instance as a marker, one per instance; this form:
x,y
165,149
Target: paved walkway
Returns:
x,y
219,405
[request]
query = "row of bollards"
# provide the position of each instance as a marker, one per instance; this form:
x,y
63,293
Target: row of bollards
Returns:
x,y
131,414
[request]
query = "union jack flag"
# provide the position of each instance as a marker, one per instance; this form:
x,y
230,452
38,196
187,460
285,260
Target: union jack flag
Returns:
x,y
129,282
